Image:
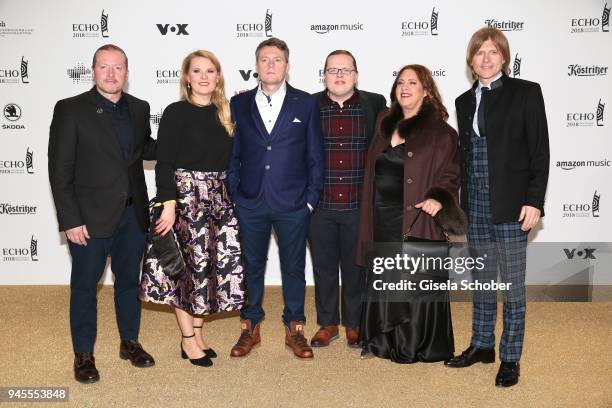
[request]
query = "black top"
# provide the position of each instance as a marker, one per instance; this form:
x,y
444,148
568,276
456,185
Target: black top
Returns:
x,y
190,137
389,194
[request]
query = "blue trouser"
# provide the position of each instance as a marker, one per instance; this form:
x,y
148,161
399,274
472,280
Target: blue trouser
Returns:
x,y
505,245
291,230
125,248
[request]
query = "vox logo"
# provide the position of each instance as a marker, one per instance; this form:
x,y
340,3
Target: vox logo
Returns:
x,y
178,29
586,253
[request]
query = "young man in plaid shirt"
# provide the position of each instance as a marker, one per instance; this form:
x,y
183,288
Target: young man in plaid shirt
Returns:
x,y
348,118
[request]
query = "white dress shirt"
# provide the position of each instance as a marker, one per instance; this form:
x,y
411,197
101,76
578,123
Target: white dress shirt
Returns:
x,y
270,105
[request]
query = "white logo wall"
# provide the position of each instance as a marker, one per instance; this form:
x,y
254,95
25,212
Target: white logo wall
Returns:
x,y
47,51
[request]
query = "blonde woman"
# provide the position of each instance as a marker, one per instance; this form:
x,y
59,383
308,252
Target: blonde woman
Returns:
x,y
194,149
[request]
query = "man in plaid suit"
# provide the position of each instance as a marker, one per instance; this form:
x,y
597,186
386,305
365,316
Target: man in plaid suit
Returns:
x,y
505,156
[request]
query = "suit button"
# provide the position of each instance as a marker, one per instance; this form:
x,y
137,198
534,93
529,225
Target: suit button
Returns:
x,y
409,181
467,133
268,147
470,117
409,207
410,154
267,167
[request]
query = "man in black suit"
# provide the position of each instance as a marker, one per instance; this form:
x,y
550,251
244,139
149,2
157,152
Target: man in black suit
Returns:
x,y
348,118
97,142
505,159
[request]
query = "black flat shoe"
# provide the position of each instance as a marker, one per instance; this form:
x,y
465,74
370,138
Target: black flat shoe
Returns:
x,y
470,356
133,351
203,361
85,370
508,374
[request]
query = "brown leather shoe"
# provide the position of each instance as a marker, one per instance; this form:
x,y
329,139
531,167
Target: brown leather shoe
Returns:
x,y
249,337
352,338
324,336
294,338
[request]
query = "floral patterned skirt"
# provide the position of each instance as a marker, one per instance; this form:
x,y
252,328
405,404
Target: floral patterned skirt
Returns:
x,y
206,228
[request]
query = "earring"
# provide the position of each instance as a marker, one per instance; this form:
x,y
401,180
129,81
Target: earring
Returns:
x,y
188,85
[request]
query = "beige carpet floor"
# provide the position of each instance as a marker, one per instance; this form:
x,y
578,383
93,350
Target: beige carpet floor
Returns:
x,y
567,361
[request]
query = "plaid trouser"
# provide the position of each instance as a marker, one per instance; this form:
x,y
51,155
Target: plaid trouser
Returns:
x,y
504,245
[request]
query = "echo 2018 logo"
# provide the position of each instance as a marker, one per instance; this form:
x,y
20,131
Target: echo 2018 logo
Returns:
x,y
92,30
15,75
421,27
264,29
592,24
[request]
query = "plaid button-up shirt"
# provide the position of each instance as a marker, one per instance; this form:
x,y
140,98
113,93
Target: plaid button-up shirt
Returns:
x,y
346,145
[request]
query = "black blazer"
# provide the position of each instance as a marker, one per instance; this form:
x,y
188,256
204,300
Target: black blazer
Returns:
x,y
88,174
517,139
371,103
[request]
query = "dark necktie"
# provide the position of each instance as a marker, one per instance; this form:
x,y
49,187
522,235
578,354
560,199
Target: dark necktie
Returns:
x,y
484,91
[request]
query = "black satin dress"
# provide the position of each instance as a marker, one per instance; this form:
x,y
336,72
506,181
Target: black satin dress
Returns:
x,y
404,327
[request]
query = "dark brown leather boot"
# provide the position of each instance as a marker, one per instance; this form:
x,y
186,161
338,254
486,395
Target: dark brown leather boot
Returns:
x,y
249,337
352,338
294,338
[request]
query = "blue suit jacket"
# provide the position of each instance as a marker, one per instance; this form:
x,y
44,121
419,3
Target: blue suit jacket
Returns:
x,y
283,168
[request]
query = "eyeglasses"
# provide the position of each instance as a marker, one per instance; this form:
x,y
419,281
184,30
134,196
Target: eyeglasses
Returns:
x,y
343,71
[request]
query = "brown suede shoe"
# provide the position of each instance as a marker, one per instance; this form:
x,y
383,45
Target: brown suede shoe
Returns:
x,y
324,336
352,338
295,339
249,337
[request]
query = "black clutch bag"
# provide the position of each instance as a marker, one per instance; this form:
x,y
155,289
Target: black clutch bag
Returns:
x,y
164,249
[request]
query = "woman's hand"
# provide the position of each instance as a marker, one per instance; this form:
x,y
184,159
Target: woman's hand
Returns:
x,y
430,206
166,220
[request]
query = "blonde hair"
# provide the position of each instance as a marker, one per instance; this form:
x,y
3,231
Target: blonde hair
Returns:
x,y
218,97
500,41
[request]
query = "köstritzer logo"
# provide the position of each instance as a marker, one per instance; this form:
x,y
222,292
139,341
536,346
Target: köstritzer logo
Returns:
x,y
256,29
505,25
178,29
89,30
592,24
79,74
17,209
589,70
21,254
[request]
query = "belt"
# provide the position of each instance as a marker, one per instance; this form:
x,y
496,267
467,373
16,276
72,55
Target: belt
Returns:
x,y
129,201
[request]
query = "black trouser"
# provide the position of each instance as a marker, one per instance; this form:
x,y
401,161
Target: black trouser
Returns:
x,y
125,248
333,242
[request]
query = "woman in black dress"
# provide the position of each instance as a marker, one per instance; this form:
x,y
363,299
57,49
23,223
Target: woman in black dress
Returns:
x,y
194,148
411,177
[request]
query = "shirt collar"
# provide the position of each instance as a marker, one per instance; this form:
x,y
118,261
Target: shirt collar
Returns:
x,y
108,104
352,100
279,95
494,84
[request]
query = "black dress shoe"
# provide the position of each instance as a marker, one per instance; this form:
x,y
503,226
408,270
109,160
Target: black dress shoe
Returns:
x,y
132,350
471,356
210,353
508,374
85,370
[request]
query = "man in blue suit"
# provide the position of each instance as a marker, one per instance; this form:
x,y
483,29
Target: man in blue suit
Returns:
x,y
276,179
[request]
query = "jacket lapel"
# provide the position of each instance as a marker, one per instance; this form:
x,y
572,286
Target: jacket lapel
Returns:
x,y
135,119
257,120
102,121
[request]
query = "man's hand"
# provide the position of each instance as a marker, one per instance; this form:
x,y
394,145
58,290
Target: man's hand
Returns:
x,y
430,206
166,220
78,235
530,217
